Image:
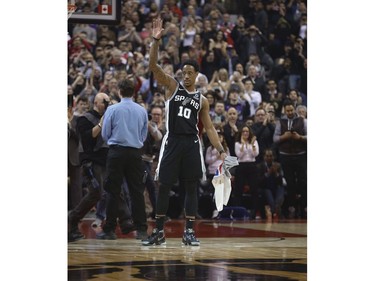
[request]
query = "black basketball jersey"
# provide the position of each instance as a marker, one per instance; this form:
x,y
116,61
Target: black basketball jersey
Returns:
x,y
182,112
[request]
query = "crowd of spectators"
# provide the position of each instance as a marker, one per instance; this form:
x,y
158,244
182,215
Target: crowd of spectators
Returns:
x,y
252,55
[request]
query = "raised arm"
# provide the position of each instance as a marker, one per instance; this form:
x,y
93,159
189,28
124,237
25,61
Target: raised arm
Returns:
x,y
161,77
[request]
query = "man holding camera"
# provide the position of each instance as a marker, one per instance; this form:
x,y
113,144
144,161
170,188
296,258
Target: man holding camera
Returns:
x,y
291,137
150,148
92,155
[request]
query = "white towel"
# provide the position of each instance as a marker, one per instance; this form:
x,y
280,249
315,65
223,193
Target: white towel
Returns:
x,y
229,162
221,182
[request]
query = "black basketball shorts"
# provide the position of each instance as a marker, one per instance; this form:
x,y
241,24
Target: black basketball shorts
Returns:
x,y
181,158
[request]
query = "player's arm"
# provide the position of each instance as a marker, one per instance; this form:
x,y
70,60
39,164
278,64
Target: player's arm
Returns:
x,y
210,129
161,77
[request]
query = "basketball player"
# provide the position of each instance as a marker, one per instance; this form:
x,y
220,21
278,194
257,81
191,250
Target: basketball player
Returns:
x,y
181,157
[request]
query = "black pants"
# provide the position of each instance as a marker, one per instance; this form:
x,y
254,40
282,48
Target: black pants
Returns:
x,y
181,160
124,162
75,192
91,198
295,173
246,173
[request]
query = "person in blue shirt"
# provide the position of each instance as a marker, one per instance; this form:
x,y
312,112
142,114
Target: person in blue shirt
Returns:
x,y
125,130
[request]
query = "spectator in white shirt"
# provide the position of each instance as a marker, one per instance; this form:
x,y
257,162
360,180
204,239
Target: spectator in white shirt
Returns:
x,y
246,149
254,98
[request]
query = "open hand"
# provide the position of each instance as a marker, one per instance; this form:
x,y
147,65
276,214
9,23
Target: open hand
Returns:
x,y
157,28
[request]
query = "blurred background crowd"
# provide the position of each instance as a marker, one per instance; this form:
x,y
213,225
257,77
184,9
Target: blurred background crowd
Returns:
x,y
252,56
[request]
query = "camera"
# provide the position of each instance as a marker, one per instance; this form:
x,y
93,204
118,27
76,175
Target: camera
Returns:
x,y
87,171
70,100
106,103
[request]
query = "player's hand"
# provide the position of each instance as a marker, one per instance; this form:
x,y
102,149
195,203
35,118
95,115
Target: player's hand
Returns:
x,y
157,28
223,156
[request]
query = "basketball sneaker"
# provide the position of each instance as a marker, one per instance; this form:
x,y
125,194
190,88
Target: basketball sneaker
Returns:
x,y
189,238
156,238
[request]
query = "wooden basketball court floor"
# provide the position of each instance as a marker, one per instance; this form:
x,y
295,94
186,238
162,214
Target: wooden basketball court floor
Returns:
x,y
230,250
